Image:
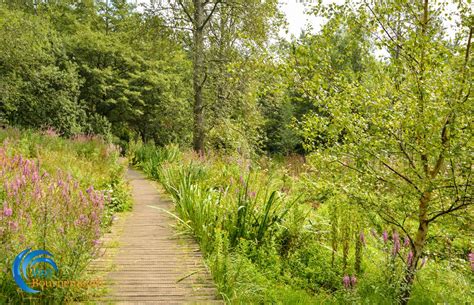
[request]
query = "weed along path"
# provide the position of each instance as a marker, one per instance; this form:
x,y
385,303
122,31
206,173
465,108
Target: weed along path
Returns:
x,y
152,264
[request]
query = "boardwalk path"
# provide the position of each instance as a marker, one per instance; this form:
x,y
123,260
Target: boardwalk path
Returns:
x,y
152,265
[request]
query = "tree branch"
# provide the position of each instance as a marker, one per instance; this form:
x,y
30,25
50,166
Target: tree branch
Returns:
x,y
211,13
180,2
451,209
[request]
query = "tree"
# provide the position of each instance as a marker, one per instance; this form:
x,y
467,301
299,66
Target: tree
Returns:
x,y
217,28
407,137
196,13
39,85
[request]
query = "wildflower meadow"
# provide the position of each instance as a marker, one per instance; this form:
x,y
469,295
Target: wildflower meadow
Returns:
x,y
59,195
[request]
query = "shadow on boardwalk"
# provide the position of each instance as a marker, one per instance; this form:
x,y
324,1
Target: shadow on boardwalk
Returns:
x,y
150,263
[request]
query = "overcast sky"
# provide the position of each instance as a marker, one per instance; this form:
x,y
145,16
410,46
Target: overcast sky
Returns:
x,y
298,20
294,11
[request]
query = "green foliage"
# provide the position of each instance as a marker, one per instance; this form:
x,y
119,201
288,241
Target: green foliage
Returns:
x,y
64,68
41,86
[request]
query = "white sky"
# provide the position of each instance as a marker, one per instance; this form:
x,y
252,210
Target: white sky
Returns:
x,y
296,17
294,11
298,20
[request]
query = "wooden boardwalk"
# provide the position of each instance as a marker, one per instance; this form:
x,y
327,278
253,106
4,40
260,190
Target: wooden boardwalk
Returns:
x,y
151,263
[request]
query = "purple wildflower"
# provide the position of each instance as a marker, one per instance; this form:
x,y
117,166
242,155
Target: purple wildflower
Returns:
x,y
353,281
410,258
406,241
362,237
385,236
396,244
90,189
13,225
7,212
82,220
346,280
35,177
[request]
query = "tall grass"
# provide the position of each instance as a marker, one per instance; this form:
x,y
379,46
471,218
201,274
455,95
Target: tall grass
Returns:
x,y
230,209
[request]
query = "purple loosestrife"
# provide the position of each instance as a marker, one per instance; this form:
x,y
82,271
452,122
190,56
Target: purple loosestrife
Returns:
x,y
353,281
396,244
410,258
35,177
346,281
13,225
14,188
7,212
97,232
385,236
37,194
362,238
406,242
90,190
83,220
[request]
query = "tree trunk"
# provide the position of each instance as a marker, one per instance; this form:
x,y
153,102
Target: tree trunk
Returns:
x,y
358,252
198,76
417,246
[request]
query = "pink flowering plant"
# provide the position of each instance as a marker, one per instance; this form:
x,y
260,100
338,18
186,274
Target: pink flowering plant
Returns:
x,y
52,210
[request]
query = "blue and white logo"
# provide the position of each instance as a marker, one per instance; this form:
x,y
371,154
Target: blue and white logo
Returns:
x,y
26,261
